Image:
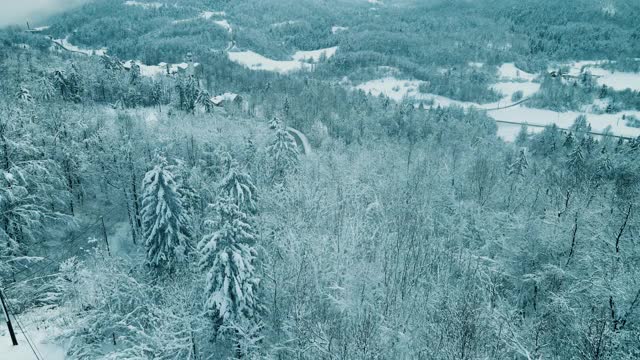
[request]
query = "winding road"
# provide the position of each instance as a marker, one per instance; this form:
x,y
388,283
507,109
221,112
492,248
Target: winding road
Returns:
x,y
302,139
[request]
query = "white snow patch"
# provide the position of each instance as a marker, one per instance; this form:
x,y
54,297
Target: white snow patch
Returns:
x,y
38,334
224,24
40,28
151,5
155,70
599,122
285,23
337,29
398,90
315,55
508,88
617,80
66,44
476,65
226,97
209,14
509,71
255,61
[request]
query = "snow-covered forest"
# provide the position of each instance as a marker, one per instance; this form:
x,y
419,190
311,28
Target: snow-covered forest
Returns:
x,y
308,179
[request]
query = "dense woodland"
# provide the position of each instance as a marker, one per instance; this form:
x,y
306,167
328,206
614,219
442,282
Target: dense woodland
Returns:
x,y
406,233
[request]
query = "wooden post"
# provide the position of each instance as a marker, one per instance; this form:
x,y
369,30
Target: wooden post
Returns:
x,y
104,233
5,310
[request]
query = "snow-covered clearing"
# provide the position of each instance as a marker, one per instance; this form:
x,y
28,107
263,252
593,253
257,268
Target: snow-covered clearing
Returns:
x,y
509,71
155,70
38,330
315,55
255,61
145,5
617,80
226,97
337,29
398,90
66,44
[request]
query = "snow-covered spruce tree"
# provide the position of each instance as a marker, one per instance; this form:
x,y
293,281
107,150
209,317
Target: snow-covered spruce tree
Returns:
x,y
283,152
238,186
165,221
228,258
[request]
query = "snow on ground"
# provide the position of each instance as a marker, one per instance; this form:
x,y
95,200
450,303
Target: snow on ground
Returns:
x,y
508,88
314,55
599,122
209,14
255,61
224,24
285,23
509,71
40,28
66,44
476,64
219,99
150,5
337,29
398,90
155,70
617,80
38,331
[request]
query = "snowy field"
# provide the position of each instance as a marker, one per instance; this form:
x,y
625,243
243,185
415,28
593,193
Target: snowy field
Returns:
x,y
617,80
156,70
255,61
512,80
145,5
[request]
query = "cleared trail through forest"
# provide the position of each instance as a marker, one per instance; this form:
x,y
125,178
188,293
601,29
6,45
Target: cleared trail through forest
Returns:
x,y
302,138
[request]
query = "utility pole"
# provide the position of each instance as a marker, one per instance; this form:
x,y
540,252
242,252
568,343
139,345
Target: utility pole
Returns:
x,y
104,233
5,310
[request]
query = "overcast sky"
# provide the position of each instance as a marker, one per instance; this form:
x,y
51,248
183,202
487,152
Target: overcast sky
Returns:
x,y
19,11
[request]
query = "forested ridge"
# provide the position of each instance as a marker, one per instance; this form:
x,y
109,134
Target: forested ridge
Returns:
x,y
142,219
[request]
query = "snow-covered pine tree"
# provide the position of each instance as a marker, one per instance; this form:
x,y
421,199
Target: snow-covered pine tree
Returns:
x,y
228,257
238,185
165,221
520,164
283,151
275,123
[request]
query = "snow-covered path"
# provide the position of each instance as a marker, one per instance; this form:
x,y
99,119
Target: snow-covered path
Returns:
x,y
306,146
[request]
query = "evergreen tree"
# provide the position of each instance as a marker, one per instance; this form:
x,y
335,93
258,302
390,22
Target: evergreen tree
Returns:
x,y
238,186
165,220
283,151
228,258
519,166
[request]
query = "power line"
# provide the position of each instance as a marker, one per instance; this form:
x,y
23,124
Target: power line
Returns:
x,y
72,241
48,261
30,342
